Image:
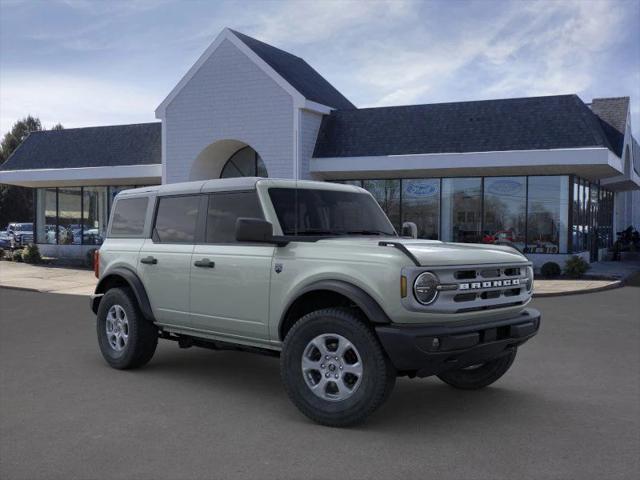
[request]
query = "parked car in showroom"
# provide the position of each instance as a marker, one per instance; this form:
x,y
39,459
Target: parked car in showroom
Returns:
x,y
20,234
315,273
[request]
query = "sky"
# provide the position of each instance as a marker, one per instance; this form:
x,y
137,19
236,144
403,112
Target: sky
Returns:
x,y
86,63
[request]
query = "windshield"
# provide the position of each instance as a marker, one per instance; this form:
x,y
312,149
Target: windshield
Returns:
x,y
307,211
23,227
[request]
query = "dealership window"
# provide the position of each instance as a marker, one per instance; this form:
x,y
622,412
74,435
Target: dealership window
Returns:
x,y
387,193
421,205
46,215
244,163
548,211
461,209
94,215
505,204
69,216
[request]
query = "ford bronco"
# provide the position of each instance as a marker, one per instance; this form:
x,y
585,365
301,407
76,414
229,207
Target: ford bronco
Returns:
x,y
313,272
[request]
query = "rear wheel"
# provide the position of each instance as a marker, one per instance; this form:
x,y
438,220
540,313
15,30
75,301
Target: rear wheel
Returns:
x,y
481,375
126,338
334,369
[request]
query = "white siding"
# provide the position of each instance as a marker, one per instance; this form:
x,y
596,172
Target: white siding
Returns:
x,y
309,126
229,98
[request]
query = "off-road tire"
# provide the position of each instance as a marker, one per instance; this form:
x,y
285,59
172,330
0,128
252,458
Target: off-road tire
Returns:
x,y
481,376
378,377
142,334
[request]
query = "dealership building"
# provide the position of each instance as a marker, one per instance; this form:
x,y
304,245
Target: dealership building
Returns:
x,y
553,176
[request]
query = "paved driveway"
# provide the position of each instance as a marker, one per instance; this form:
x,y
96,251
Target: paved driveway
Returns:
x,y
568,409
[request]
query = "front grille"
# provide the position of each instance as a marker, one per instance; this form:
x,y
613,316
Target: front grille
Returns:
x,y
473,288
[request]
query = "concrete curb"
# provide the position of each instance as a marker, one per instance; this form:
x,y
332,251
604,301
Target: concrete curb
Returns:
x,y
58,292
614,285
26,289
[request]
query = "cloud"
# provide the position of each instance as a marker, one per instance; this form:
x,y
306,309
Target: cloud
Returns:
x,y
73,101
535,48
296,22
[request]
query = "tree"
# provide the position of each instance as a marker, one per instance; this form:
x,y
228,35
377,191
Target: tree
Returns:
x,y
16,203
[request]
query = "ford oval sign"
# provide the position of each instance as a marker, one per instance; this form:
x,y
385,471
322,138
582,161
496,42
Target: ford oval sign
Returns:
x,y
505,187
422,189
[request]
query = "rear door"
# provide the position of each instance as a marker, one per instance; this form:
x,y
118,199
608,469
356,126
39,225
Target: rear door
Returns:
x,y
230,280
165,258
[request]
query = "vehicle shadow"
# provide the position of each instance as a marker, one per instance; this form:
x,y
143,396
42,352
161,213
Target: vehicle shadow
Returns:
x,y
413,403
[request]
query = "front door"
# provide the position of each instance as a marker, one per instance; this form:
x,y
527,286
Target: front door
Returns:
x,y
230,280
165,259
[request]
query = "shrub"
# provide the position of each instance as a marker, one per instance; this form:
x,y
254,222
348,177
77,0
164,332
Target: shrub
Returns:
x,y
550,269
1,253
576,266
16,256
31,254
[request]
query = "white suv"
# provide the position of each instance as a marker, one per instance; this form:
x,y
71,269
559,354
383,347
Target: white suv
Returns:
x,y
313,272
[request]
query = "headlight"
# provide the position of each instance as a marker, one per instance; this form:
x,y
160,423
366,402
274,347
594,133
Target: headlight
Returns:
x,y
425,288
529,279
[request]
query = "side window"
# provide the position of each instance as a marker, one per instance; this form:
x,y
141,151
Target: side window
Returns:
x,y
176,219
128,217
224,210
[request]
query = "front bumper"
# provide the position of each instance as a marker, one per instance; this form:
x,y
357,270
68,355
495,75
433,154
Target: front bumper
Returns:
x,y
430,350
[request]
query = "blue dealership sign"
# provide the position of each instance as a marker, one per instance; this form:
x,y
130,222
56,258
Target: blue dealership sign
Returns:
x,y
505,187
422,188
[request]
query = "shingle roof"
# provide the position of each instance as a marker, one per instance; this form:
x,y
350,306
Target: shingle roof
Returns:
x,y
298,73
534,123
111,146
613,116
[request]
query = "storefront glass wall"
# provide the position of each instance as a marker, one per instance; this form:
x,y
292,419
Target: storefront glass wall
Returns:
x,y
461,209
421,205
74,215
530,213
505,211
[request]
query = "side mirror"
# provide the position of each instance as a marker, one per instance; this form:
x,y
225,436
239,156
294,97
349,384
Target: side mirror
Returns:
x,y
409,229
254,230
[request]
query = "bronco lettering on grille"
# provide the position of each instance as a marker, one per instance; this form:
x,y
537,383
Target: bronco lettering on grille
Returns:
x,y
491,284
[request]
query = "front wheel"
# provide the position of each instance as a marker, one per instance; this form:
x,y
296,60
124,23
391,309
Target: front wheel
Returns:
x,y
479,376
334,369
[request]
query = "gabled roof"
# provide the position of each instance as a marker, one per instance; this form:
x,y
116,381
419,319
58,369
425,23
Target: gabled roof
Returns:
x,y
292,73
554,122
612,113
109,146
298,73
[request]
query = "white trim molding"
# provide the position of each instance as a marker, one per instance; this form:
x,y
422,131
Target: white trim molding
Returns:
x,y
589,162
66,177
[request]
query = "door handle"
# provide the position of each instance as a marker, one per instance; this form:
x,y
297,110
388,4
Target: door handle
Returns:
x,y
205,262
149,260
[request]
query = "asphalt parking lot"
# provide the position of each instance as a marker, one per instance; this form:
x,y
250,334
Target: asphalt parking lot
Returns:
x,y
569,408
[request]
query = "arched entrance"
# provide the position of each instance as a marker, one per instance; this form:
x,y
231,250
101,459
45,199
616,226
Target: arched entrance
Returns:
x,y
226,159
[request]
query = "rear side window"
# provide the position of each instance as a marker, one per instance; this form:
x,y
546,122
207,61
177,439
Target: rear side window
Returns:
x,y
176,219
224,210
128,217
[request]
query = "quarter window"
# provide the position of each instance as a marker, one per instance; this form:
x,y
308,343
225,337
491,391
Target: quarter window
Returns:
x,y
176,219
224,209
128,217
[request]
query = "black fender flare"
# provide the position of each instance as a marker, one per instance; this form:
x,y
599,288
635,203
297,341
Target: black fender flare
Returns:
x,y
372,310
133,281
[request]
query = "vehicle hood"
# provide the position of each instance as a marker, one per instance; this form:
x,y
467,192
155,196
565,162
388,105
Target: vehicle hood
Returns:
x,y
436,253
